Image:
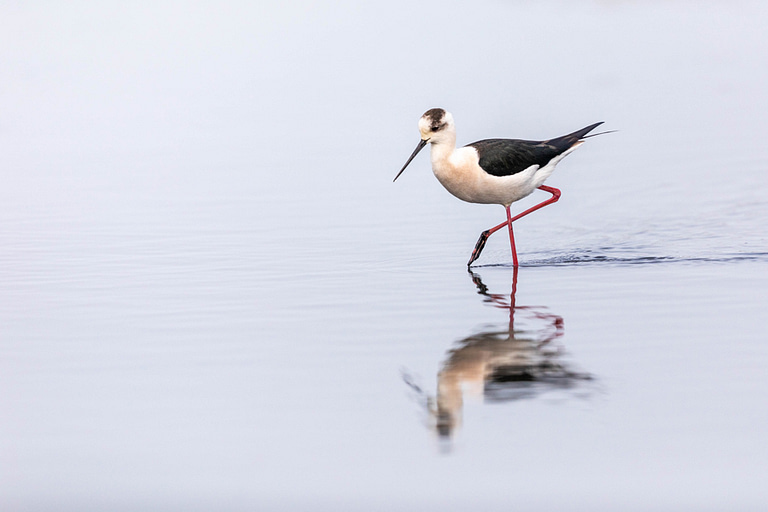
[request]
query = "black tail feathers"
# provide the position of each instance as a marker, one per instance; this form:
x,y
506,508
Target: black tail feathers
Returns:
x,y
566,141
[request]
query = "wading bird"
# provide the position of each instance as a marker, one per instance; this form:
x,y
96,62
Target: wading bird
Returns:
x,y
493,171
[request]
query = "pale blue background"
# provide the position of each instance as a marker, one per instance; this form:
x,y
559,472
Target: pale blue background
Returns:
x,y
210,286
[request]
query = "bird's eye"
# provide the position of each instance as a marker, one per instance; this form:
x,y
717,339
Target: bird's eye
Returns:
x,y
435,128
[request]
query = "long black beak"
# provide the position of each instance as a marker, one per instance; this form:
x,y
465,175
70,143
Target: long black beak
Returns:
x,y
421,145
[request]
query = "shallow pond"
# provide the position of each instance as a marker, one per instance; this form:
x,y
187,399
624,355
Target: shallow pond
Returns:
x,y
214,297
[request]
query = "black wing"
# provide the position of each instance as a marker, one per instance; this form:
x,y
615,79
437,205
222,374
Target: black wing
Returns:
x,y
504,157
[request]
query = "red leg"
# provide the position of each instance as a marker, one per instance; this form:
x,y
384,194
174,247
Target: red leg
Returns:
x,y
481,242
511,238
485,234
555,196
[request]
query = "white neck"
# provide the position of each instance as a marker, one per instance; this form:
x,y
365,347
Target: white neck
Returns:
x,y
443,148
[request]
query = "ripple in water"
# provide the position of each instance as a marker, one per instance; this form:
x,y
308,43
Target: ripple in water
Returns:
x,y
598,259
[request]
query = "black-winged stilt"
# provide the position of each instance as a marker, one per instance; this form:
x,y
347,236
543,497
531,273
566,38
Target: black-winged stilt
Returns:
x,y
493,171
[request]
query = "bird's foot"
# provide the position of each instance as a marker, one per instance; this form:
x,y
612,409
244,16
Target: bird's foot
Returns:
x,y
479,246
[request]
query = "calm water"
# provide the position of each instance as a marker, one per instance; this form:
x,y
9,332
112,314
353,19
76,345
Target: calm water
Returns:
x,y
214,297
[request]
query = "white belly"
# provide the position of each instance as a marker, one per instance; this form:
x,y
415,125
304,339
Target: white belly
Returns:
x,y
463,177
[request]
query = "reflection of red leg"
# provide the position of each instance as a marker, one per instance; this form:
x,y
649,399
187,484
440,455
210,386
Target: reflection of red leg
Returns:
x,y
485,234
497,299
512,303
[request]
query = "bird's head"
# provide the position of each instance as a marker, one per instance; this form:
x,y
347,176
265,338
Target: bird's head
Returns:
x,y
435,126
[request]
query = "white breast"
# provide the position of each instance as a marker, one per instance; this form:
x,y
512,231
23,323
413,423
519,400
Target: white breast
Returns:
x,y
463,177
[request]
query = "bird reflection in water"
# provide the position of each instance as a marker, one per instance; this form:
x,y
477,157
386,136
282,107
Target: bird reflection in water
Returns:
x,y
521,360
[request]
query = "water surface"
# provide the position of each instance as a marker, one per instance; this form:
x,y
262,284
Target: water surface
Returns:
x,y
214,297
